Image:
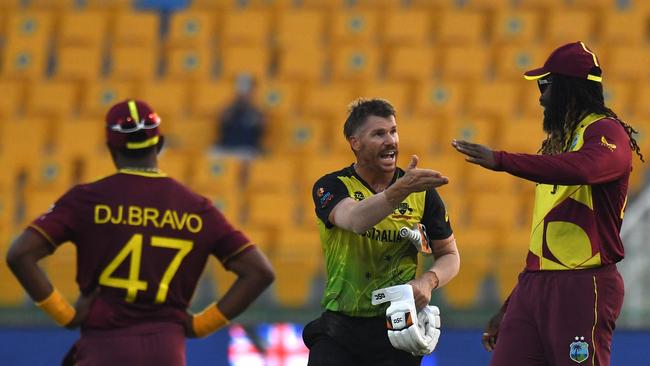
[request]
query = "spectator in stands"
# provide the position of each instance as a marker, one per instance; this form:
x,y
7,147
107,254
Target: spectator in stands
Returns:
x,y
360,210
142,242
242,124
566,302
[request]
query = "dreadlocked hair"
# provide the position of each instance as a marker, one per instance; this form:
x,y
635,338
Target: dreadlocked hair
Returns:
x,y
571,99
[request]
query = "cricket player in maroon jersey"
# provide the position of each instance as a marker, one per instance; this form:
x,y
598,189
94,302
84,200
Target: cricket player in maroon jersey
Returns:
x,y
564,307
142,242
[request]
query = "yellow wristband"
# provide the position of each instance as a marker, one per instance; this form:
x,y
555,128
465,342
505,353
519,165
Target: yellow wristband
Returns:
x,y
209,320
58,308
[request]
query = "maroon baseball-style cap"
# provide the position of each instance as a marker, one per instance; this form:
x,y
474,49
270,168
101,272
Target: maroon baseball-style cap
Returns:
x,y
572,59
132,124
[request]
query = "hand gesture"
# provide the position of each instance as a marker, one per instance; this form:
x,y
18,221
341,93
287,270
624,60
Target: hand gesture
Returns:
x,y
422,287
417,180
491,332
476,154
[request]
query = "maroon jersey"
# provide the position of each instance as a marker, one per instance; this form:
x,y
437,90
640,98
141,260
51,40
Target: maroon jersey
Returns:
x,y
144,239
580,197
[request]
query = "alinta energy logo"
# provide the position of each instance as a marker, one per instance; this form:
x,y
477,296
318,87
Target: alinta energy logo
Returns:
x,y
401,211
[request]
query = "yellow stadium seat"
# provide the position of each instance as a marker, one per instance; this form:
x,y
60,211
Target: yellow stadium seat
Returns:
x,y
411,63
272,174
53,172
415,138
252,60
519,27
302,64
68,67
397,93
448,164
310,173
221,173
80,138
330,101
83,28
272,209
511,260
189,63
24,61
619,96
12,100
38,202
498,99
32,27
300,136
52,99
298,260
522,135
136,28
170,100
358,27
222,278
474,129
566,26
61,268
24,140
356,63
418,31
98,97
97,166
487,5
209,98
625,62
626,27
511,61
640,105
196,135
495,210
300,27
464,63
230,205
250,27
479,181
191,28
278,99
436,98
461,27
133,63
476,248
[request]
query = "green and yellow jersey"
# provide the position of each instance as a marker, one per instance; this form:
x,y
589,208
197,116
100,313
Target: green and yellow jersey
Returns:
x,y
357,264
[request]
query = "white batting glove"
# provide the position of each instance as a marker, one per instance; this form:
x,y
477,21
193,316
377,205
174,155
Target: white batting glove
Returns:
x,y
407,329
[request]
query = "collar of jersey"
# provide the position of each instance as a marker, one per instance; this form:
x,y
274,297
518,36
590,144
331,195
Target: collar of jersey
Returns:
x,y
158,174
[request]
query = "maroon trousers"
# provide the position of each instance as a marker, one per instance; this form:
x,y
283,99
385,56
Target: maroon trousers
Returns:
x,y
557,318
144,345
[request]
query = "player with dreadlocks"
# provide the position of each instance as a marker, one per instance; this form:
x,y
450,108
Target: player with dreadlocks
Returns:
x,y
565,304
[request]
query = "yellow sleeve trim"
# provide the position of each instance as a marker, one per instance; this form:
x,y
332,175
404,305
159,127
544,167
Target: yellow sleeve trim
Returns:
x,y
236,252
45,235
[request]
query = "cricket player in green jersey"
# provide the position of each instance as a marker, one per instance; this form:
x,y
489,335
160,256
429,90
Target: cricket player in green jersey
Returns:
x,y
361,210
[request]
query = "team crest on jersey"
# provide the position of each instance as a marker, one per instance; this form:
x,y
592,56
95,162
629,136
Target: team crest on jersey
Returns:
x,y
402,210
358,195
324,197
604,142
579,350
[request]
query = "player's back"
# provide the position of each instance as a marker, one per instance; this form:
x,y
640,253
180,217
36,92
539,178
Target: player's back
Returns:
x,y
144,238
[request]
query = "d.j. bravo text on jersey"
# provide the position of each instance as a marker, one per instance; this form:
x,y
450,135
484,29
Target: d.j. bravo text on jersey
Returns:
x,y
145,216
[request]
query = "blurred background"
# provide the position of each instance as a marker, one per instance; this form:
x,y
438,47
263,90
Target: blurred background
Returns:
x,y
276,76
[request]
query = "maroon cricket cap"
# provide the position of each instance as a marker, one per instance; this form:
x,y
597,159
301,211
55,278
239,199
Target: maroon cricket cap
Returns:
x,y
572,59
132,124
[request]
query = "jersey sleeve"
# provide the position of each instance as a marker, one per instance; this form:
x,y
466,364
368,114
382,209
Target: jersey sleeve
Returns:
x,y
229,241
435,217
327,192
57,225
604,156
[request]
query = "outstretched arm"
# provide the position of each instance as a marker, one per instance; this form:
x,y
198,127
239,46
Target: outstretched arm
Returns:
x,y
361,216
